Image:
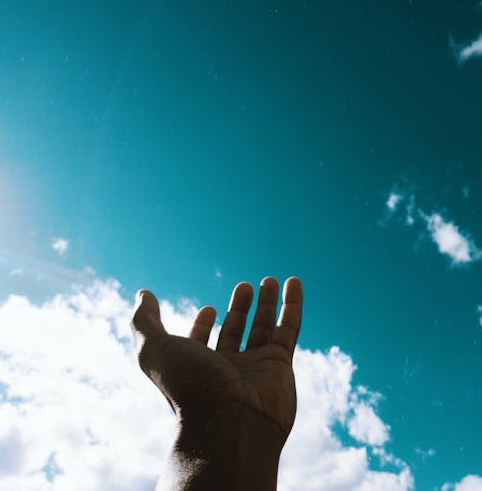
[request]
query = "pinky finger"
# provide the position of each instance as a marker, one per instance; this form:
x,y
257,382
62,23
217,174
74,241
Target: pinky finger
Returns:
x,y
203,324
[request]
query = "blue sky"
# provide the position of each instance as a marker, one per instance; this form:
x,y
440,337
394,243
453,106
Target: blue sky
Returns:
x,y
186,146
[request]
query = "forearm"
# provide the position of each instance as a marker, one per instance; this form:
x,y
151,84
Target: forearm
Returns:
x,y
235,452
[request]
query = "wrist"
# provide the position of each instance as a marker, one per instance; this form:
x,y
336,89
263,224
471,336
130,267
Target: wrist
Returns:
x,y
235,449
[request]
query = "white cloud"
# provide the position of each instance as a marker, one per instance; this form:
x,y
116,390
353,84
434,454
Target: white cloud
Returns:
x,y
472,50
367,427
394,204
468,483
77,414
393,201
450,241
74,392
60,245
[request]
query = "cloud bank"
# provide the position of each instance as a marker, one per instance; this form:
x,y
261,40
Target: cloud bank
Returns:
x,y
77,414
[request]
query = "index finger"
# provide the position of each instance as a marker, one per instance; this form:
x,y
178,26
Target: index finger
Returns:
x,y
289,322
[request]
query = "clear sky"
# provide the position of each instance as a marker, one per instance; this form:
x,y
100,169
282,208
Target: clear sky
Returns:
x,y
185,146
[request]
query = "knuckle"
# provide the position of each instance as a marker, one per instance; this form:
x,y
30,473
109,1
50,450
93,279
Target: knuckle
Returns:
x,y
289,325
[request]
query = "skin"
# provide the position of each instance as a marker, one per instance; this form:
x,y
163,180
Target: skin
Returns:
x,y
235,408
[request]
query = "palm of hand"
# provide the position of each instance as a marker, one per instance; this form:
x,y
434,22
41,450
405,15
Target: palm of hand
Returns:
x,y
194,378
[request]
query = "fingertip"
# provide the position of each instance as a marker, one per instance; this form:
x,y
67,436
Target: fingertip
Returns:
x,y
203,324
208,308
146,298
269,291
269,281
242,296
208,313
293,290
294,278
147,316
244,286
140,292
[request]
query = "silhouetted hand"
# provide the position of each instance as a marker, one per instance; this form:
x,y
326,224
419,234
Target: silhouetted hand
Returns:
x,y
226,390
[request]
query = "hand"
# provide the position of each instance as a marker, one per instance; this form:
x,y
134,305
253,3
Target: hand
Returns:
x,y
236,409
197,380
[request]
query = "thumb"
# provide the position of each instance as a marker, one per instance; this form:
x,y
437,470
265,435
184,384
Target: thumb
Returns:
x,y
146,320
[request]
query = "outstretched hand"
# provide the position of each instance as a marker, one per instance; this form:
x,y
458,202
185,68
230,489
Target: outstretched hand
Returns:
x,y
198,381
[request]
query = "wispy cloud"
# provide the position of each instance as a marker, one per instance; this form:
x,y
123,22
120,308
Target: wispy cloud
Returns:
x,y
472,50
393,200
446,235
74,405
425,454
397,201
60,245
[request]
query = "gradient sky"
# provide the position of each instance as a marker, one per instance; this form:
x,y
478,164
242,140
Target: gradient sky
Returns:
x,y
186,146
